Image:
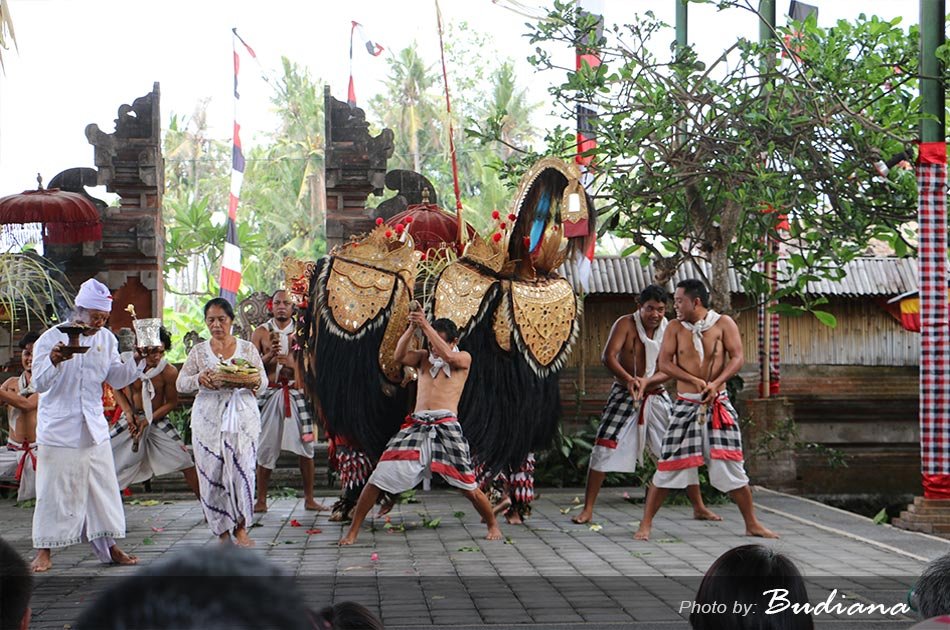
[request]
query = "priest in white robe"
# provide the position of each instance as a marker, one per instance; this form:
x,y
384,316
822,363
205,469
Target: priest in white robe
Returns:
x,y
77,493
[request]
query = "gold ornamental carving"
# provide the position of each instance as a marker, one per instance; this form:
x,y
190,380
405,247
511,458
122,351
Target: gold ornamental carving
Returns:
x,y
398,322
487,253
501,323
459,294
382,252
357,294
569,170
544,314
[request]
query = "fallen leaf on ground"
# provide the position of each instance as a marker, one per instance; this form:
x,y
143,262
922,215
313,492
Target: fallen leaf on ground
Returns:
x,y
594,527
158,529
295,523
314,531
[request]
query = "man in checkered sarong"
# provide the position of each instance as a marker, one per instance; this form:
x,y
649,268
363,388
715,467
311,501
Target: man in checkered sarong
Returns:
x,y
431,439
145,406
704,426
638,408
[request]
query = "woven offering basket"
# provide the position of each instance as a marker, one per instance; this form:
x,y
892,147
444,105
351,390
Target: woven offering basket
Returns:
x,y
227,379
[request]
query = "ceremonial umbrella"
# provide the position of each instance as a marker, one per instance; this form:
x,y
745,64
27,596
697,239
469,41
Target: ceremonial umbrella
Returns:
x,y
909,304
431,228
67,217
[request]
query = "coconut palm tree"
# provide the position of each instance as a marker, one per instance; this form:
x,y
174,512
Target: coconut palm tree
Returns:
x,y
409,106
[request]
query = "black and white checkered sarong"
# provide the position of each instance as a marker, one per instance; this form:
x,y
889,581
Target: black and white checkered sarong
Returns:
x,y
683,444
450,451
620,409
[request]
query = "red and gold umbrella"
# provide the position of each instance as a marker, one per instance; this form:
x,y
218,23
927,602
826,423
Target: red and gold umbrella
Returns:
x,y
67,217
909,304
431,227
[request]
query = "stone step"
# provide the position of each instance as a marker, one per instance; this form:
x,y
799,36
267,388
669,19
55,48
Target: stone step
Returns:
x,y
910,515
935,510
921,502
924,528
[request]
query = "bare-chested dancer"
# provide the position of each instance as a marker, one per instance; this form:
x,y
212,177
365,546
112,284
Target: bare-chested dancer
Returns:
x,y
704,426
18,456
638,409
431,438
145,405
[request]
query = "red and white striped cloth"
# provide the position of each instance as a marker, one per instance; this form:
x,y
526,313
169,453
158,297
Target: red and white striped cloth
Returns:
x,y
772,339
586,141
231,261
934,337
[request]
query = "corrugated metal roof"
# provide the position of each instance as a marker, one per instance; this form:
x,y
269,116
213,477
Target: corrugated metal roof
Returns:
x,y
864,277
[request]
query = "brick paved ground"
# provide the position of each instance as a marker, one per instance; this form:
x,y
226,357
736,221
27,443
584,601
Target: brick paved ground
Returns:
x,y
546,573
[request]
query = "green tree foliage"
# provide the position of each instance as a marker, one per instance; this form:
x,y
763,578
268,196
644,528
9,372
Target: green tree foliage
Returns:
x,y
690,152
483,86
282,209
284,192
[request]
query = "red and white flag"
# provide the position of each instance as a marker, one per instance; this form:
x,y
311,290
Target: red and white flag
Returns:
x,y
231,261
372,48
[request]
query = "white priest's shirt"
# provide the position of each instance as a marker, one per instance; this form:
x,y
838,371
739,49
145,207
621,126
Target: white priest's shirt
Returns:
x,y
70,407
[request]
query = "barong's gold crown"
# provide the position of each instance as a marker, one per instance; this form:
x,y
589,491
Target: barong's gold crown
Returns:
x,y
489,254
382,249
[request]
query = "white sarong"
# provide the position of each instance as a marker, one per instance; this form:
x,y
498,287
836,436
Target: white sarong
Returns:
x,y
161,451
77,497
19,460
278,431
622,438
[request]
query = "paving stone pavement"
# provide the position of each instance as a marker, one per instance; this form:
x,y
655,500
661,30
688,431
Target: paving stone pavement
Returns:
x,y
549,573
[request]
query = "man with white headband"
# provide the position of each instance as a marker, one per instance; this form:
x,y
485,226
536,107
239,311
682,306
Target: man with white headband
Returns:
x,y
77,493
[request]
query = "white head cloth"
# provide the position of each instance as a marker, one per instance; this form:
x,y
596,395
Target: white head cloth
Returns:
x,y
94,295
699,328
439,363
652,346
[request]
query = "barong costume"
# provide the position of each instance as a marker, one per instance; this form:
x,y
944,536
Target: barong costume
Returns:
x,y
161,449
225,427
516,485
77,493
18,459
286,421
699,434
628,426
